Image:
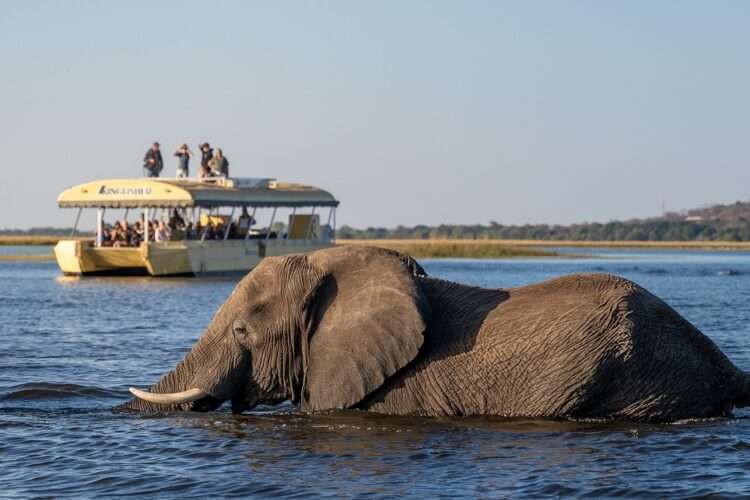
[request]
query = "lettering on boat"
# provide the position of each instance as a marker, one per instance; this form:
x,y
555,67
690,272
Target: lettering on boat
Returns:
x,y
125,191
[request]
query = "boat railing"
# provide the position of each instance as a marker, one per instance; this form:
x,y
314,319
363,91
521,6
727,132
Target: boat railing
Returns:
x,y
230,182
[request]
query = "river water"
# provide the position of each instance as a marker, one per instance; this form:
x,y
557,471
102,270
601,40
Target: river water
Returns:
x,y
71,347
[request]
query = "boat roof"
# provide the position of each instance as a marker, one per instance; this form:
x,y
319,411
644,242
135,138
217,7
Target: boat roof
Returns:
x,y
211,192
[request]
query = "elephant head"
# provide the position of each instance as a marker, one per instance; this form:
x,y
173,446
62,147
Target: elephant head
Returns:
x,y
323,330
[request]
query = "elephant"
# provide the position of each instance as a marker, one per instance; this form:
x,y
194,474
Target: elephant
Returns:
x,y
363,328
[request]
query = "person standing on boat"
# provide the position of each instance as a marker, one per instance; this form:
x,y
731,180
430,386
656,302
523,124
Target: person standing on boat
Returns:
x,y
219,164
152,161
183,155
245,222
207,155
176,221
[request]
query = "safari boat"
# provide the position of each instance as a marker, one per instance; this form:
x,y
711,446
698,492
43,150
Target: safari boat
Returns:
x,y
209,236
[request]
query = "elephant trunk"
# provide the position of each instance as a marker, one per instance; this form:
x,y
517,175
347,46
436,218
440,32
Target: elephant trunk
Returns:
x,y
208,375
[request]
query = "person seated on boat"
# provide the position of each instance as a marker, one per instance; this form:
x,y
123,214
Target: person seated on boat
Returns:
x,y
152,161
219,164
153,228
207,155
113,230
119,237
183,155
218,231
114,237
176,221
162,232
127,229
244,223
137,236
106,235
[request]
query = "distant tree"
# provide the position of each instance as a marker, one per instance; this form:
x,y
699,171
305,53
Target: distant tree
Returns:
x,y
717,222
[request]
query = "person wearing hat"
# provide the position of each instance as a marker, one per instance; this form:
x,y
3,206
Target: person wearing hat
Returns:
x,y
207,155
183,155
152,161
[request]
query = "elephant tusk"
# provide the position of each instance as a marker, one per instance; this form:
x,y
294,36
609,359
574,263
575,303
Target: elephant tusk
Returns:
x,y
171,398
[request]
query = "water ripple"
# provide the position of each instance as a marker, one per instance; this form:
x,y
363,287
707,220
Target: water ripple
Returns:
x,y
60,378
52,390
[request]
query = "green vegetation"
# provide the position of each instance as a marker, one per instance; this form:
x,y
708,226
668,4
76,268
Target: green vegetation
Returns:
x,y
37,231
30,240
472,249
27,258
717,226
611,231
37,236
715,223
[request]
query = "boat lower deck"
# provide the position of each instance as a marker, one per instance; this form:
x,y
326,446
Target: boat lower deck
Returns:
x,y
174,258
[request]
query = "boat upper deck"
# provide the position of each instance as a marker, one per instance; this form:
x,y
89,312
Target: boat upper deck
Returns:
x,y
211,192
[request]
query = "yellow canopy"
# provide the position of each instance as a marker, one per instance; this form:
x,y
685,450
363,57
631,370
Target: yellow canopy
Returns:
x,y
150,192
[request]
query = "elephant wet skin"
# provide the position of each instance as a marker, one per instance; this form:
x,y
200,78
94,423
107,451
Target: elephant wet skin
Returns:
x,y
365,328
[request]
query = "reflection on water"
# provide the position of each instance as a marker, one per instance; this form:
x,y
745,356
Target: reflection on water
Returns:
x,y
25,250
136,282
73,346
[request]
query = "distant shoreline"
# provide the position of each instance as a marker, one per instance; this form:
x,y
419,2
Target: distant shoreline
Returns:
x,y
515,247
35,240
470,249
696,245
417,248
45,257
478,249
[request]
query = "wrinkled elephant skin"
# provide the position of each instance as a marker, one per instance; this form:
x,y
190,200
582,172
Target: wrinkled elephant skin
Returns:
x,y
365,328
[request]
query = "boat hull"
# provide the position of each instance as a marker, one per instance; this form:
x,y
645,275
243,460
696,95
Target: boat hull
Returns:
x,y
176,258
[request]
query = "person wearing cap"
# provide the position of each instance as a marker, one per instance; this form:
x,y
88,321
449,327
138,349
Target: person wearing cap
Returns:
x,y
183,155
152,161
207,155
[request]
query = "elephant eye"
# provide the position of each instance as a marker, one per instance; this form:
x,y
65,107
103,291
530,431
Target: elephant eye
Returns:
x,y
243,332
239,327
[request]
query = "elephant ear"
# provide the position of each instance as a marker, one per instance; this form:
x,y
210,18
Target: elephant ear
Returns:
x,y
367,322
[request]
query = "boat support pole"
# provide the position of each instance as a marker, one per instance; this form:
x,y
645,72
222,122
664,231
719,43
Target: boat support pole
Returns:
x,y
75,224
145,225
99,229
229,225
252,221
270,224
330,216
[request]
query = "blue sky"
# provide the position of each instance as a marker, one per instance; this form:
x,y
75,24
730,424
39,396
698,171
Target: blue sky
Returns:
x,y
410,112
